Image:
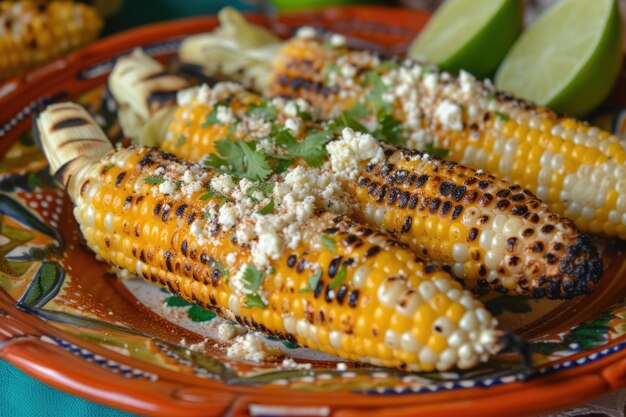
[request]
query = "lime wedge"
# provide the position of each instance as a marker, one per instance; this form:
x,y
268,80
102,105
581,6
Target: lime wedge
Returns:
x,y
569,59
473,35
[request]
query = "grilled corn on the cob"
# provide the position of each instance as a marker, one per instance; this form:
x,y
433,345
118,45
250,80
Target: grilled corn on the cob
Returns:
x,y
33,33
493,233
578,170
362,297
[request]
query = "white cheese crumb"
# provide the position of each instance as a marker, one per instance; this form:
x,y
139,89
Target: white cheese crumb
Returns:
x,y
225,115
187,95
336,40
196,229
306,32
341,366
291,109
293,125
227,331
228,216
348,71
354,147
196,347
223,184
430,82
290,363
468,83
168,187
449,115
252,348
230,259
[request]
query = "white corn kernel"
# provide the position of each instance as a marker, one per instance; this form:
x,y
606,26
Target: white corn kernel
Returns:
x,y
460,252
389,292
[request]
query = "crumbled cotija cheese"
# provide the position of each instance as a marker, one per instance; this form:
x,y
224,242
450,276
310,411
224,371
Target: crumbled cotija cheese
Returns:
x,y
449,115
168,187
251,347
225,115
306,32
353,148
227,331
223,184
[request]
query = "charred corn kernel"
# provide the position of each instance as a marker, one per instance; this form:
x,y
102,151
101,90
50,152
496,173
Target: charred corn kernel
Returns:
x,y
173,255
467,117
35,33
419,198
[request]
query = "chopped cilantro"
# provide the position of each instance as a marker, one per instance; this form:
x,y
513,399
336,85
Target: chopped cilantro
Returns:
x,y
254,300
345,120
330,69
252,278
389,130
180,141
312,148
218,266
211,119
241,159
359,111
376,92
155,180
263,109
387,66
441,153
210,193
265,188
176,301
107,167
502,116
339,278
302,114
199,314
312,282
329,243
267,209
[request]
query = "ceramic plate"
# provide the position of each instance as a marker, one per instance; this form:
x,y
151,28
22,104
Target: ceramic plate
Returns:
x,y
67,321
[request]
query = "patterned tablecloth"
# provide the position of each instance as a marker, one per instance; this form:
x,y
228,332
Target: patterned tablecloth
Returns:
x,y
21,395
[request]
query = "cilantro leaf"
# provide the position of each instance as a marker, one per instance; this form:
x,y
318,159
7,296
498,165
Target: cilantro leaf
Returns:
x,y
312,282
267,209
312,148
387,66
263,109
339,278
376,92
240,159
329,243
210,193
154,180
359,111
199,314
180,141
211,118
441,153
345,120
257,166
389,130
265,188
502,116
176,301
218,266
331,69
252,278
254,300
